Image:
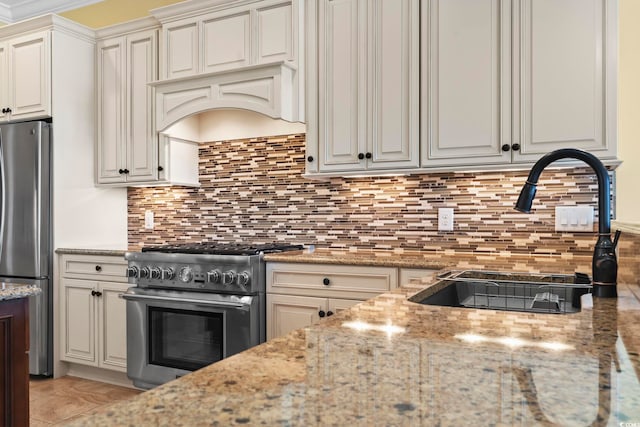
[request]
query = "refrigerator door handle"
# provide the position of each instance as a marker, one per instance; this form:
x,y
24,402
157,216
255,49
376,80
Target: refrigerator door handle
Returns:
x,y
2,195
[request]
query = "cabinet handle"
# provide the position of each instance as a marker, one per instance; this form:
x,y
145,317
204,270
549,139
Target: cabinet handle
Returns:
x,y
98,268
329,313
369,155
4,111
326,281
160,168
515,147
93,293
506,147
361,156
322,313
98,294
120,171
126,171
310,159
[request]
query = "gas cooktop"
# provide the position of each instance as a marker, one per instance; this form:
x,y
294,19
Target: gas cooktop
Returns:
x,y
216,248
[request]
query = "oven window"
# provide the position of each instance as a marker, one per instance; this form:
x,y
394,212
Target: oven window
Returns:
x,y
184,339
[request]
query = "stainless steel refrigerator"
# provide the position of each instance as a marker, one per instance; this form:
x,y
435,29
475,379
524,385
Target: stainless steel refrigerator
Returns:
x,y
25,228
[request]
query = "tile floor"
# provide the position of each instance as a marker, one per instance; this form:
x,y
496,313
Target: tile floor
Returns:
x,y
58,401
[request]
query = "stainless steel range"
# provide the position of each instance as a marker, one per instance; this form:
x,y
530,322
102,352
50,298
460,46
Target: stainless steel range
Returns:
x,y
193,305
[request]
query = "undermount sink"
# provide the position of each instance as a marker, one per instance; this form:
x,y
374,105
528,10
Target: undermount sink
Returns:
x,y
526,292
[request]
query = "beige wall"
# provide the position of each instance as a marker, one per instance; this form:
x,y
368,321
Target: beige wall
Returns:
x,y
628,175
109,12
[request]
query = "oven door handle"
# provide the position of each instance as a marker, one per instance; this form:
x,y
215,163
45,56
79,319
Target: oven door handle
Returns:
x,y
135,297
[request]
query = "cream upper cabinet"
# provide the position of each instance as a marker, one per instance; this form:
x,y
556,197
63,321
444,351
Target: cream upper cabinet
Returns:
x,y
248,33
127,147
25,68
566,77
363,85
507,82
466,81
129,150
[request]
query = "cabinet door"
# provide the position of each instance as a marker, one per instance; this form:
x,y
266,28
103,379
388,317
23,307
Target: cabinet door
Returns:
x,y
342,58
394,83
466,75
275,33
226,42
141,144
4,80
78,321
562,77
111,126
30,76
112,322
286,313
180,52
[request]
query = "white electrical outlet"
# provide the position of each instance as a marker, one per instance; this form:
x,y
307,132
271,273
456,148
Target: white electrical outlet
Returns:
x,y
445,219
574,218
148,220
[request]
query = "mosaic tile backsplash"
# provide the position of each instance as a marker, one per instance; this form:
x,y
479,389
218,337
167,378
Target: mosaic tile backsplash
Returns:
x,y
253,190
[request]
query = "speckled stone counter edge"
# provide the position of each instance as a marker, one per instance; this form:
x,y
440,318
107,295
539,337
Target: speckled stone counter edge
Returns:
x,y
15,292
105,252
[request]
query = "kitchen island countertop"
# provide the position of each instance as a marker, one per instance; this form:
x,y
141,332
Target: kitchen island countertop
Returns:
x,y
14,291
389,361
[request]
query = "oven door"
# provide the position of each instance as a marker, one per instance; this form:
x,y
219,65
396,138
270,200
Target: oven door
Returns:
x,y
171,333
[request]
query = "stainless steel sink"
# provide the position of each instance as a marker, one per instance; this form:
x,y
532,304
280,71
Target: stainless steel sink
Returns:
x,y
526,292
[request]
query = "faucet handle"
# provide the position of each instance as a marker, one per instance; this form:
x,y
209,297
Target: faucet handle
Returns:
x,y
615,239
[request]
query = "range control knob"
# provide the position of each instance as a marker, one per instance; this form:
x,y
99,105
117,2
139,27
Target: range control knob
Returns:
x,y
145,273
243,279
228,277
213,276
154,273
167,273
132,271
185,275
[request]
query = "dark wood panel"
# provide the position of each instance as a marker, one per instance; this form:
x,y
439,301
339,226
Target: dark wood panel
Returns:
x,y
14,363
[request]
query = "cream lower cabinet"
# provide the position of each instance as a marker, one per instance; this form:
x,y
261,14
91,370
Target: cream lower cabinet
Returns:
x,y
299,295
92,316
289,312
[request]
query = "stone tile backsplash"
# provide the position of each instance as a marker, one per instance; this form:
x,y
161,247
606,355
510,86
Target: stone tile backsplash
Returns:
x,y
253,190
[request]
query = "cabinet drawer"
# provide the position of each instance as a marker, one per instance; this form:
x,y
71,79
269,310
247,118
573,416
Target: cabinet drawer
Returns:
x,y
342,281
409,274
96,267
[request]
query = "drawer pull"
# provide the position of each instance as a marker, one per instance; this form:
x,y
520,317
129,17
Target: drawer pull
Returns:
x,y
326,281
321,313
329,313
98,268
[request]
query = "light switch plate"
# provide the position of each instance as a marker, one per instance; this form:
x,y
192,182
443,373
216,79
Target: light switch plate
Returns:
x,y
574,218
445,219
148,220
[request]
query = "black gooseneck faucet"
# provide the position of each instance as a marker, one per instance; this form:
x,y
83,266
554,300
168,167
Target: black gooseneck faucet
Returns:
x,y
605,265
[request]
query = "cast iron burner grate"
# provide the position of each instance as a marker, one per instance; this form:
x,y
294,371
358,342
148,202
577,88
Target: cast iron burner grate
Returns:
x,y
223,248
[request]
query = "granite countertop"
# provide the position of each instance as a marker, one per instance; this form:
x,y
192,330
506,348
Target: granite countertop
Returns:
x,y
15,291
389,361
92,251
